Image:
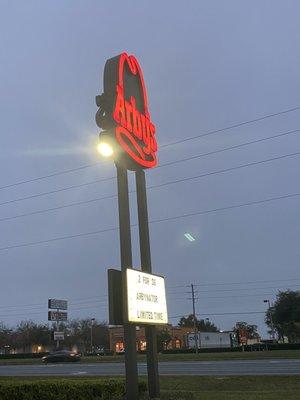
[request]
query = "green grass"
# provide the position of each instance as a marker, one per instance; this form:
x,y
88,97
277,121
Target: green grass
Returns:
x,y
255,355
203,387
235,388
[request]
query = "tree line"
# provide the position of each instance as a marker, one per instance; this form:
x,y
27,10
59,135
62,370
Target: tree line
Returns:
x,y
77,333
282,318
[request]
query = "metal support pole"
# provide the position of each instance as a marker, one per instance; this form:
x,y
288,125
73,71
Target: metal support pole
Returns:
x,y
57,328
152,360
92,322
195,321
132,392
271,320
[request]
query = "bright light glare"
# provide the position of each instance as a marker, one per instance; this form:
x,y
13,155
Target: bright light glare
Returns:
x,y
189,237
105,149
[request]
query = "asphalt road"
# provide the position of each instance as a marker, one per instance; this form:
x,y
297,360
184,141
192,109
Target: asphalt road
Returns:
x,y
230,367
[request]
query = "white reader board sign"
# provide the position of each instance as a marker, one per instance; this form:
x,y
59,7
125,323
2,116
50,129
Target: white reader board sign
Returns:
x,y
146,298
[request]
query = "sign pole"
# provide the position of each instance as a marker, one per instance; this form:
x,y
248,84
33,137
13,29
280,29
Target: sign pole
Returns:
x,y
152,360
132,392
57,328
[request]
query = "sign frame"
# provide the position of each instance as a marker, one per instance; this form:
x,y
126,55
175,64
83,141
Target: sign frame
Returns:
x,y
55,316
57,304
58,335
129,300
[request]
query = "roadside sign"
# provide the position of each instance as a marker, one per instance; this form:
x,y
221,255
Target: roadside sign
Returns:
x,y
58,336
57,316
58,304
146,298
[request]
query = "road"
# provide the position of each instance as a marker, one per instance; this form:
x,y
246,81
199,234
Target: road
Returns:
x,y
230,367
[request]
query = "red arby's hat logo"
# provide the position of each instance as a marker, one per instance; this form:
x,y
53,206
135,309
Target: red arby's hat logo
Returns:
x,y
125,110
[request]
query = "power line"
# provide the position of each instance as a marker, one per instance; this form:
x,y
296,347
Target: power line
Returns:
x,y
160,166
77,203
56,190
247,282
44,312
96,299
100,298
212,132
152,222
45,303
226,170
225,313
235,283
66,171
221,171
240,296
228,148
162,146
231,290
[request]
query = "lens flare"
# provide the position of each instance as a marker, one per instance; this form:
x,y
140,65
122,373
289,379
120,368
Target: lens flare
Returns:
x,y
105,149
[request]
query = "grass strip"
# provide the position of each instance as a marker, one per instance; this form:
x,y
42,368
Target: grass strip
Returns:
x,y
254,355
172,387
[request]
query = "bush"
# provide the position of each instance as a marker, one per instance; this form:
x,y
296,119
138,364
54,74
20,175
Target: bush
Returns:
x,y
64,390
177,396
203,350
22,356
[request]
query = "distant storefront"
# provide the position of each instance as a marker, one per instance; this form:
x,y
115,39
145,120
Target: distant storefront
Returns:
x,y
177,338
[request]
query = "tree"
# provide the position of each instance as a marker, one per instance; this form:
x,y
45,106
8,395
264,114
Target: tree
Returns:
x,y
29,333
5,336
79,334
163,339
249,329
201,324
285,315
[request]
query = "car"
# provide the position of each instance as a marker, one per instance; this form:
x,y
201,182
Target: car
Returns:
x,y
62,356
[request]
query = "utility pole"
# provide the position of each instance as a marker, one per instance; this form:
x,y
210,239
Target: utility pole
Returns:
x,y
271,319
194,317
57,328
92,323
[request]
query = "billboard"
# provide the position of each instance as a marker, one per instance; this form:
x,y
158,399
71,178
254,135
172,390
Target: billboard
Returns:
x,y
57,316
146,298
58,304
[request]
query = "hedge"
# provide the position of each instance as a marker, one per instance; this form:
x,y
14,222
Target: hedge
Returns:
x,y
22,355
258,346
64,390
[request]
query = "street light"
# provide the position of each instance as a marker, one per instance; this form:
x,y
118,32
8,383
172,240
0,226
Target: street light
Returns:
x,y
271,318
106,146
92,322
105,149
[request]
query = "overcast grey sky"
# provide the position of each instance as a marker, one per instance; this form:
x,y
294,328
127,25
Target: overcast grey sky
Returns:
x,y
207,65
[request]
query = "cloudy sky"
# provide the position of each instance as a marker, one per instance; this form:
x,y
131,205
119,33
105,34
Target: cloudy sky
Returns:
x,y
207,66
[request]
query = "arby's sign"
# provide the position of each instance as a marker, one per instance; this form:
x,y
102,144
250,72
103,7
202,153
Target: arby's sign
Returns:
x,y
124,112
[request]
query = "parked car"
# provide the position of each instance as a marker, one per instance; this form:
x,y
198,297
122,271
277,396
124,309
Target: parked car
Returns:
x,y
61,356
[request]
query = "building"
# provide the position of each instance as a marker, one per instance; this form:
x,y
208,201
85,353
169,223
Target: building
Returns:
x,y
176,338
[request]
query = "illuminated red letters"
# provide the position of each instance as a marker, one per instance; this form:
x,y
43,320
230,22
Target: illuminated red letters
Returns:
x,y
134,131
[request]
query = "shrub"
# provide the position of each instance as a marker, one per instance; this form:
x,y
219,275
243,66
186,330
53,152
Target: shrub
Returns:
x,y
64,390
